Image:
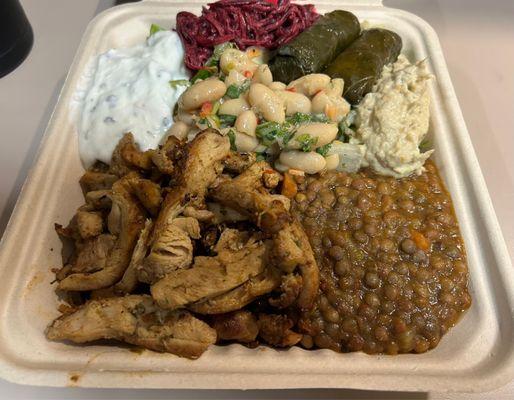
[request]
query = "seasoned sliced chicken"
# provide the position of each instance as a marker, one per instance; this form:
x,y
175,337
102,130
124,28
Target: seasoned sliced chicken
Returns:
x,y
91,256
133,156
172,250
246,194
199,214
147,192
127,157
89,224
286,250
99,199
236,262
276,330
165,157
92,181
129,281
240,326
290,288
129,225
136,320
240,296
308,270
237,162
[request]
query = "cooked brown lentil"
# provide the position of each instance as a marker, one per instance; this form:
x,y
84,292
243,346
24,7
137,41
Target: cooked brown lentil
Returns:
x,y
392,261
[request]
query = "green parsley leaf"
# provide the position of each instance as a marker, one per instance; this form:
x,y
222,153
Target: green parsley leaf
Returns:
x,y
227,120
425,145
179,82
154,28
323,150
203,74
234,91
215,107
268,132
301,118
345,131
260,156
298,118
306,141
232,139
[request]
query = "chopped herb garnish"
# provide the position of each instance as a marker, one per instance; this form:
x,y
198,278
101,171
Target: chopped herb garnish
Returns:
x,y
154,28
301,118
425,145
232,138
203,74
227,120
306,141
268,132
217,52
262,156
234,91
345,131
323,150
179,82
216,107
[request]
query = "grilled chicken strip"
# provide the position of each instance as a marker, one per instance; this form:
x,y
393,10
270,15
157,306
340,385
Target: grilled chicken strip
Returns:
x,y
240,326
240,296
238,259
136,320
200,166
127,224
246,194
173,250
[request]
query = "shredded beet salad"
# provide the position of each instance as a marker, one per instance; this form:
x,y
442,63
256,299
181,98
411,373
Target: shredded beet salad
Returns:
x,y
266,23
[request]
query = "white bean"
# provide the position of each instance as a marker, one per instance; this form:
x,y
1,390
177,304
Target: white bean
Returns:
x,y
263,75
335,108
267,103
179,129
246,122
281,167
309,162
234,78
294,102
245,143
201,92
276,85
234,106
335,88
236,59
332,162
321,133
310,84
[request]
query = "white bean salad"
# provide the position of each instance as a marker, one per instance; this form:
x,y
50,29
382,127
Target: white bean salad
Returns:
x,y
293,125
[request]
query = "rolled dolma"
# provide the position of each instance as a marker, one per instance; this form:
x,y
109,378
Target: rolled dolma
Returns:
x,y
313,49
361,64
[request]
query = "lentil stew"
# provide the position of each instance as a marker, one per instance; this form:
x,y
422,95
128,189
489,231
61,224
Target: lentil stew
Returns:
x,y
393,272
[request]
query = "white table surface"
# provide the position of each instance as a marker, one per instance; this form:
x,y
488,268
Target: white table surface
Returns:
x,y
478,41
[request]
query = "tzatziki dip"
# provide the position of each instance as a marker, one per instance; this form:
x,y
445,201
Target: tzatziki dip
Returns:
x,y
128,90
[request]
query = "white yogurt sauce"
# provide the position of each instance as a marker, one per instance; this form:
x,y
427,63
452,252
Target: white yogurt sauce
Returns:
x,y
128,91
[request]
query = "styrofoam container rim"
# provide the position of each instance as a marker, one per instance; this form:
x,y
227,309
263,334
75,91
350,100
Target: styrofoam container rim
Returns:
x,y
476,355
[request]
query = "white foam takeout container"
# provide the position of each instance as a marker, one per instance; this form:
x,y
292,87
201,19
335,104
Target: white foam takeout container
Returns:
x,y
476,355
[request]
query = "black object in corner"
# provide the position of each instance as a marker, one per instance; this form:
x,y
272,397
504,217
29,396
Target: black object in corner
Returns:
x,y
16,36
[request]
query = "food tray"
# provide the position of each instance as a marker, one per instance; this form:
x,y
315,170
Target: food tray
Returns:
x,y
477,355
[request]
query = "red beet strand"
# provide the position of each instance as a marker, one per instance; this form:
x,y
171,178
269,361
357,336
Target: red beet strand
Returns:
x,y
247,23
